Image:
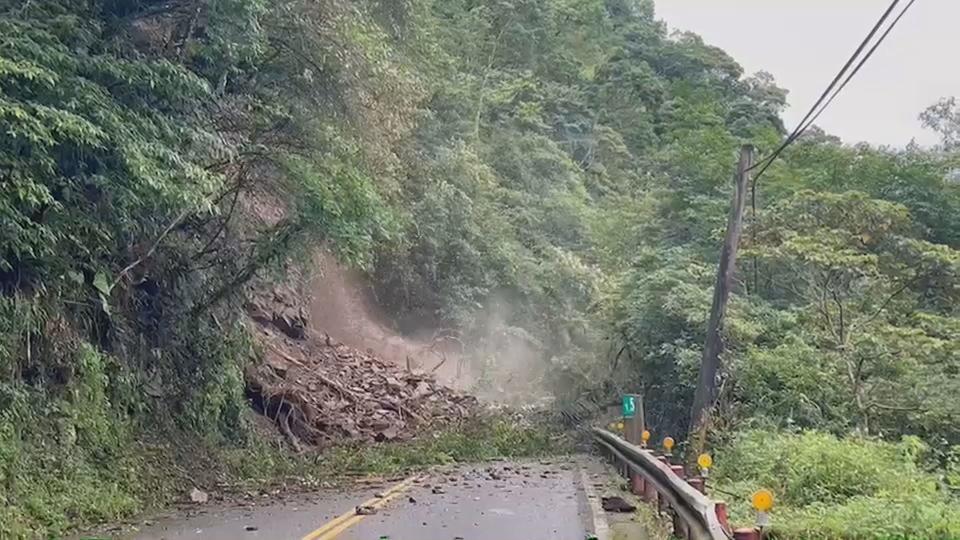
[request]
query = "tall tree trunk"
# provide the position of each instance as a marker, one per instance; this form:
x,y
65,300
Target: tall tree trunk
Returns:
x,y
705,397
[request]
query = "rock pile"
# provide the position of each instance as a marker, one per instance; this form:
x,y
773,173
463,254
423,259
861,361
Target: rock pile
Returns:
x,y
320,392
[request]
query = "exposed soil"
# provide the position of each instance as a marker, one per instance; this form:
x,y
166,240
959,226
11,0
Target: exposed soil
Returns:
x,y
341,306
320,391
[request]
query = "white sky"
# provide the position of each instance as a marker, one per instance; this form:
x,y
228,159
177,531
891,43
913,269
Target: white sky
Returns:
x,y
803,43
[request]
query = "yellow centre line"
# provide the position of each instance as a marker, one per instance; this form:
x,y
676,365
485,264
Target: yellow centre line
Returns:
x,y
338,525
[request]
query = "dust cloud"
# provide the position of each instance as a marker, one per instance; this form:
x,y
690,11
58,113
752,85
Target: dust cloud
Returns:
x,y
492,360
342,306
509,363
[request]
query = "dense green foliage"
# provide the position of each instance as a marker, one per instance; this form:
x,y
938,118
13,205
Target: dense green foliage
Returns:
x,y
484,438
134,138
562,139
549,178
828,488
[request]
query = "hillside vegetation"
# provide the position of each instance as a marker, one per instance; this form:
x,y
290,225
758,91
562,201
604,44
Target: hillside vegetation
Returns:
x,y
551,176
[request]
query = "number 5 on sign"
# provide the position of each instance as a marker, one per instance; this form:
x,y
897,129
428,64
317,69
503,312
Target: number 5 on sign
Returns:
x,y
629,406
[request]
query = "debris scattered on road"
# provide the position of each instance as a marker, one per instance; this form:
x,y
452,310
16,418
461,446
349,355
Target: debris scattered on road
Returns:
x,y
616,504
250,528
411,500
366,510
437,490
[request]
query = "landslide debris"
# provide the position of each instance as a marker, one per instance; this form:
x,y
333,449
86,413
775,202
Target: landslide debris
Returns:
x,y
320,392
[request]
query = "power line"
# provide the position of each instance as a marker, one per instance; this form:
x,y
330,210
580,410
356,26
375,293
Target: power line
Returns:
x,y
859,65
824,102
832,91
863,45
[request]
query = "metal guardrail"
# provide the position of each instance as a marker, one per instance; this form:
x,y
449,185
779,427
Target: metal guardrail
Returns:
x,y
695,515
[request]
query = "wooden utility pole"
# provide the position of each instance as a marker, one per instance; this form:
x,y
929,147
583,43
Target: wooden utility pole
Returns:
x,y
705,397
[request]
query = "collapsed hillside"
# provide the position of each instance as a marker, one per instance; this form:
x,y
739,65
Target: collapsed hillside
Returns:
x,y
320,392
339,302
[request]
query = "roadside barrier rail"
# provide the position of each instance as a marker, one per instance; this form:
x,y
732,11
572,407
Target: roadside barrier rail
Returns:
x,y
695,516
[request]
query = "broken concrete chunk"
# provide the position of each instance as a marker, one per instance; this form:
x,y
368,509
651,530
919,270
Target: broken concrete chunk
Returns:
x,y
199,496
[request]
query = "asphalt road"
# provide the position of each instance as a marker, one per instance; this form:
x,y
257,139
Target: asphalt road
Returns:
x,y
496,501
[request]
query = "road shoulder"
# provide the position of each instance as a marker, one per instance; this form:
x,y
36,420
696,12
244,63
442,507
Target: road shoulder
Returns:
x,y
600,479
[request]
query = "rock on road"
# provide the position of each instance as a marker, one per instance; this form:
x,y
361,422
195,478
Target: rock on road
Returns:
x,y
502,500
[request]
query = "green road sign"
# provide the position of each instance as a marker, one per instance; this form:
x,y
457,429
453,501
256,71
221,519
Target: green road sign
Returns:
x,y
629,406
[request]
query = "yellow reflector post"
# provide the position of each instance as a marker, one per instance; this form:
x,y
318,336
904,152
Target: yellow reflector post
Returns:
x,y
645,436
619,426
763,500
705,461
668,443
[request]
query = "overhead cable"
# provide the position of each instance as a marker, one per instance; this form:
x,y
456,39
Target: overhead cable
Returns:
x,y
833,90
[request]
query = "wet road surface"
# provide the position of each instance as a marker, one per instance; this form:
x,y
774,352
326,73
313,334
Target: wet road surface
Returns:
x,y
496,501
290,519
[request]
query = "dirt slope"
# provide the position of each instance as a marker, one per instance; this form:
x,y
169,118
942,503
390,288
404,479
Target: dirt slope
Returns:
x,y
341,306
321,391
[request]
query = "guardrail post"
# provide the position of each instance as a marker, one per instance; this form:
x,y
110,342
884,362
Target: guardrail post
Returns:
x,y
679,527
649,492
747,534
659,500
637,486
723,516
698,483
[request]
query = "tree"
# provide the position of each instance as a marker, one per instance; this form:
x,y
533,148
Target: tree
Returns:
x,y
872,296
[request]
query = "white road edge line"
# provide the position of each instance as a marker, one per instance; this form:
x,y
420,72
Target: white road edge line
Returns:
x,y
601,529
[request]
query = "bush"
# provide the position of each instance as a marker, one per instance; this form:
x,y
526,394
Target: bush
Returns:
x,y
65,459
481,440
485,438
831,488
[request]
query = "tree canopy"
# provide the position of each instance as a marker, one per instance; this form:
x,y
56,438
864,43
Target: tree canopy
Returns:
x,y
544,176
